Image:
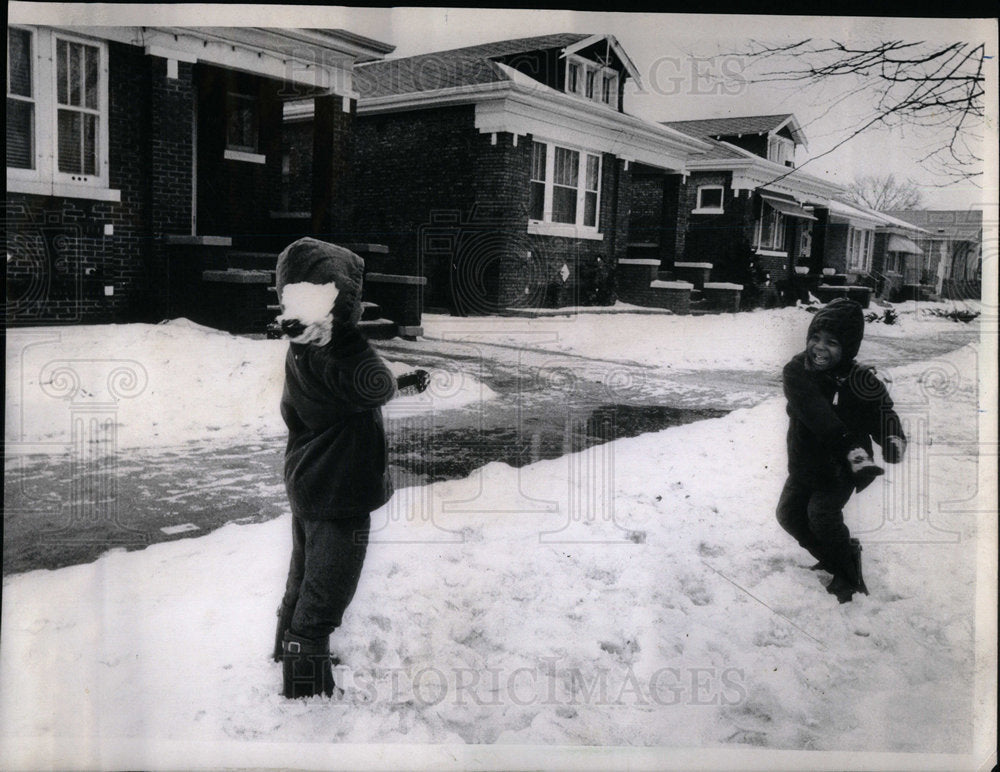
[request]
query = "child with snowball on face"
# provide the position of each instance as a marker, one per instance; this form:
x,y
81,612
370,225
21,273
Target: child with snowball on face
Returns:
x,y
335,460
835,408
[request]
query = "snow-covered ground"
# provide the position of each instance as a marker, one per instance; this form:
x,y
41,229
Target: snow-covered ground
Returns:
x,y
164,385
756,340
638,594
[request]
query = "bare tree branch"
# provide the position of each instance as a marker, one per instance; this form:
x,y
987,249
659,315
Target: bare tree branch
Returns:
x,y
909,84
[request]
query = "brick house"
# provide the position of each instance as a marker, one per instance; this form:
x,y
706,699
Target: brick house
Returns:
x,y
951,245
503,172
745,213
139,159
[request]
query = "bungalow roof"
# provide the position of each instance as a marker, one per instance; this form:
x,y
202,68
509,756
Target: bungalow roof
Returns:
x,y
468,66
739,125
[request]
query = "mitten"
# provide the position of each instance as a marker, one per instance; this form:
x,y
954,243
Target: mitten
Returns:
x,y
893,450
413,383
863,468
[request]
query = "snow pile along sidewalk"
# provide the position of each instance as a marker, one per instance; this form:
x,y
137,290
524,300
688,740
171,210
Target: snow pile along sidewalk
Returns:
x,y
164,385
637,593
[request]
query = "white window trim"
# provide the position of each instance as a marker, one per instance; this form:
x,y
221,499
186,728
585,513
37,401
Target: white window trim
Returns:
x,y
699,209
546,226
600,72
45,179
768,249
774,142
242,155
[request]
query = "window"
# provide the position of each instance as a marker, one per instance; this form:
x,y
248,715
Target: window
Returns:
x,y
241,122
781,150
536,204
565,187
57,115
591,80
860,242
770,230
20,101
610,89
573,77
78,113
709,199
591,191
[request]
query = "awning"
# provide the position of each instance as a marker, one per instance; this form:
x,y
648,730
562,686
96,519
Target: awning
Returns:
x,y
786,207
903,244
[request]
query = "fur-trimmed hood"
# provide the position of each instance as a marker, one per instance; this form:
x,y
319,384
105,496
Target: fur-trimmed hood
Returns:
x,y
316,279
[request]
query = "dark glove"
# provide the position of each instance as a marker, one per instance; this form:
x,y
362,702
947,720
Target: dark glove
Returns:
x,y
863,469
413,383
894,449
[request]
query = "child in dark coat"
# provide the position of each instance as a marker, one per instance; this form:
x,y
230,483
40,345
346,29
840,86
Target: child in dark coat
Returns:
x,y
835,408
335,460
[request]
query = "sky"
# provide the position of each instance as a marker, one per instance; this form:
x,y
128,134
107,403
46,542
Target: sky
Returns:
x,y
671,53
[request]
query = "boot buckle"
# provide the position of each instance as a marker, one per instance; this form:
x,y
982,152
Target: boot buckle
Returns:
x,y
293,647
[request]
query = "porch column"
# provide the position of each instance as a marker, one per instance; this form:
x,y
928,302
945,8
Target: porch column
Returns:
x,y
171,95
332,203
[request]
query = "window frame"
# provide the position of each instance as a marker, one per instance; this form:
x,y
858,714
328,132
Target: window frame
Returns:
x,y
31,98
45,177
780,149
594,82
700,207
778,227
547,225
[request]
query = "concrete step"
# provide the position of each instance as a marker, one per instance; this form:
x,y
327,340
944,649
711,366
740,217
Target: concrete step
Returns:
x,y
379,329
261,261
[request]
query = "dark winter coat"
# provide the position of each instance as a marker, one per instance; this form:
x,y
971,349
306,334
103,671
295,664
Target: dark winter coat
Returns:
x,y
336,458
832,412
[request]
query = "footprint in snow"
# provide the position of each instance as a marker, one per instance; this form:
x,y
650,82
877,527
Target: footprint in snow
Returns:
x,y
696,591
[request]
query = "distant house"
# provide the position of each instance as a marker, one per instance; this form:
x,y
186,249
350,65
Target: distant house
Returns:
x,y
744,207
504,172
140,158
951,244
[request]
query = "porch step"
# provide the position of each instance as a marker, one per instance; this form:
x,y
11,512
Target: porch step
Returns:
x,y
378,329
260,261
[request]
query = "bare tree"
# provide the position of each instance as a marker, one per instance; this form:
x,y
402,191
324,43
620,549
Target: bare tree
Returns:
x,y
884,193
909,84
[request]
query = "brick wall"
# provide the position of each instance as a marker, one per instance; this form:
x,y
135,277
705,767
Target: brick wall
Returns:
x,y
171,112
721,239
452,205
61,259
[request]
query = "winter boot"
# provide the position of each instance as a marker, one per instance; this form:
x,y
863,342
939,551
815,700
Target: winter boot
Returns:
x,y
863,468
842,588
284,622
306,668
856,557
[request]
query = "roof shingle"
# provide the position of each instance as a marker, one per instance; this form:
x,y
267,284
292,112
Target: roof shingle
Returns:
x,y
728,127
467,66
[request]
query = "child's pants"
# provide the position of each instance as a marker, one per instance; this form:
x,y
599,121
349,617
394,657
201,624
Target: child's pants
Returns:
x,y
815,518
327,556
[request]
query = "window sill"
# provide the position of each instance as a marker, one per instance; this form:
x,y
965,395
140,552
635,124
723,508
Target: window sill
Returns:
x,y
538,228
241,155
770,253
708,211
62,190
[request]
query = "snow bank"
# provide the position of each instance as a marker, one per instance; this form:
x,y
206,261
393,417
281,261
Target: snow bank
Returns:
x,y
754,340
163,385
639,593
